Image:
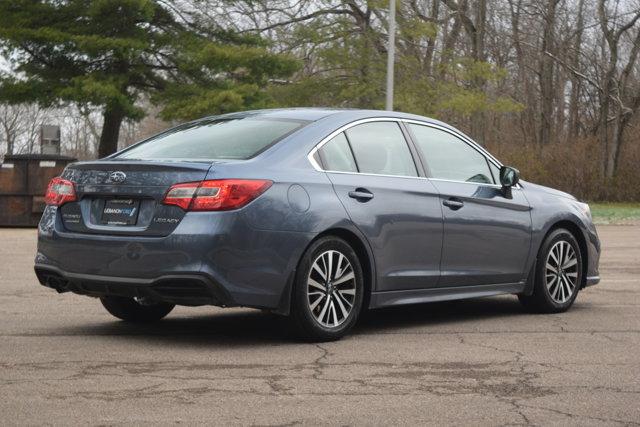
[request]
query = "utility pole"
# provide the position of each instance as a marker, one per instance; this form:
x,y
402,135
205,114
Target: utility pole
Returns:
x,y
391,53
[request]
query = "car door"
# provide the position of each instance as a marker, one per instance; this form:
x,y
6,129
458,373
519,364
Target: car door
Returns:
x,y
487,234
375,177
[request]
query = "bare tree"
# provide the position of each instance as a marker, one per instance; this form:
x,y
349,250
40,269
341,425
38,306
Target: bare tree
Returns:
x,y
618,101
10,118
576,82
476,30
20,125
546,72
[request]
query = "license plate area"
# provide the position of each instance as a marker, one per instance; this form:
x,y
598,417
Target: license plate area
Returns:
x,y
120,211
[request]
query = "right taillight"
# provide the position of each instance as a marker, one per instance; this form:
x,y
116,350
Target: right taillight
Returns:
x,y
59,192
215,194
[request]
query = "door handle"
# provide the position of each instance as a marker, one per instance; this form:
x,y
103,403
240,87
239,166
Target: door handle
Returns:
x,y
361,194
453,203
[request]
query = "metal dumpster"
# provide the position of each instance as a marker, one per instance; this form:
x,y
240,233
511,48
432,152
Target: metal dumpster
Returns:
x,y
23,182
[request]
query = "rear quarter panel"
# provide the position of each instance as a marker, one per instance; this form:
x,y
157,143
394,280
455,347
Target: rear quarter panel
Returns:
x,y
261,252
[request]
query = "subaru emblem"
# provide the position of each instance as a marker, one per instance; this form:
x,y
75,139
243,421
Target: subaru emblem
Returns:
x,y
117,176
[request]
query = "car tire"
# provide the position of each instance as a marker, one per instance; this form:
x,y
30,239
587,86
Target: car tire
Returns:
x,y
326,306
130,310
556,283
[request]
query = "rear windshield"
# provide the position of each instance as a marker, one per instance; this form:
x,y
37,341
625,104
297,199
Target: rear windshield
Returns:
x,y
236,138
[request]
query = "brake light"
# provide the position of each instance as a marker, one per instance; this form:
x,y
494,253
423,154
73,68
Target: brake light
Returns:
x,y
59,192
216,194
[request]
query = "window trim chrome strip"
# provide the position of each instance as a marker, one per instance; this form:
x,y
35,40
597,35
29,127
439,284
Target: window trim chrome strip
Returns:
x,y
457,134
517,187
374,174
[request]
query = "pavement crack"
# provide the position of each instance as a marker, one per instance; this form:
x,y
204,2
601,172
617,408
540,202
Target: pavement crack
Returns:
x,y
320,361
572,415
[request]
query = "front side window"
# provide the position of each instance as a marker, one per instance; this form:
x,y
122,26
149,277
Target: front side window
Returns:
x,y
380,148
450,158
215,138
336,155
495,170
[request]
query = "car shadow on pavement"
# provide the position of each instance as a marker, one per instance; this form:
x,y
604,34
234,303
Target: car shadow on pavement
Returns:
x,y
253,327
230,327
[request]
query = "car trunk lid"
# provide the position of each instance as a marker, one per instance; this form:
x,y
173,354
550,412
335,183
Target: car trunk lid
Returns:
x,y
125,197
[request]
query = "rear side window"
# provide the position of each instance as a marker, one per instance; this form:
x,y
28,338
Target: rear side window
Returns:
x,y
380,148
237,138
336,155
448,157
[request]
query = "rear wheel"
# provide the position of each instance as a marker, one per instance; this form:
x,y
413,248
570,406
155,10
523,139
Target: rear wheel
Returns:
x,y
558,274
136,309
328,291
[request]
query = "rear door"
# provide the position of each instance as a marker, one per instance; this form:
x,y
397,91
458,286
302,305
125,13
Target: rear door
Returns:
x,y
125,197
487,236
375,177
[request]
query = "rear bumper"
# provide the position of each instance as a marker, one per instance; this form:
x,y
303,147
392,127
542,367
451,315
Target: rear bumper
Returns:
x,y
213,258
183,289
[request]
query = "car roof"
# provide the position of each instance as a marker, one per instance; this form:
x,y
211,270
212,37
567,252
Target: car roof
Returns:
x,y
324,121
306,114
316,113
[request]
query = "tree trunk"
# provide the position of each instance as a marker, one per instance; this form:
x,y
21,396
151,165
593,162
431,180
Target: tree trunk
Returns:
x,y
113,117
449,44
431,43
10,137
576,82
9,134
614,147
478,118
546,74
603,120
527,117
363,25
560,104
603,136
476,32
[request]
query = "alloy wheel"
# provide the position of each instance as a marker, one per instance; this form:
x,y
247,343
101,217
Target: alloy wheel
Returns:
x,y
331,288
561,272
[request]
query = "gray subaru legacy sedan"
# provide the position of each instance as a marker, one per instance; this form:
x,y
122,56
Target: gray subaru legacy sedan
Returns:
x,y
316,214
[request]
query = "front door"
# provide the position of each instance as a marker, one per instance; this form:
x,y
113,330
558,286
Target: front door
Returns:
x,y
487,235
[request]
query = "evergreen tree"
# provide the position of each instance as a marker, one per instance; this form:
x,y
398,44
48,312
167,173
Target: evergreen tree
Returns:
x,y
113,53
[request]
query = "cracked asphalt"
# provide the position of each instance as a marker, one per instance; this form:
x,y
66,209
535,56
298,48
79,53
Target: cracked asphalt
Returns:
x,y
64,360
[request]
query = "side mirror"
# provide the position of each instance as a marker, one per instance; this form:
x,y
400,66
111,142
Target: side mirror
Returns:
x,y
508,178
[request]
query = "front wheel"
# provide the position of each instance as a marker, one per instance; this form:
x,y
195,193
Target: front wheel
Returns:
x,y
558,274
136,310
328,290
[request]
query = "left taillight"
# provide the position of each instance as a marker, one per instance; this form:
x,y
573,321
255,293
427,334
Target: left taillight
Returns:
x,y
59,192
215,194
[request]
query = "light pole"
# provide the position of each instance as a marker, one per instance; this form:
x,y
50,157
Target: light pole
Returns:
x,y
391,53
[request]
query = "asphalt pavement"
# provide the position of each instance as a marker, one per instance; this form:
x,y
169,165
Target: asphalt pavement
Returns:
x,y
64,360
